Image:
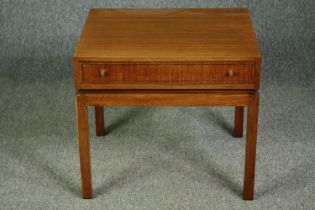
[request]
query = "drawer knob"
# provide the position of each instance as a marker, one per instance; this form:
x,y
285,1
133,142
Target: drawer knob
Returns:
x,y
103,72
230,73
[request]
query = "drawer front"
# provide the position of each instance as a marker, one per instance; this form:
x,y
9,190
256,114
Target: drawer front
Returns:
x,y
167,73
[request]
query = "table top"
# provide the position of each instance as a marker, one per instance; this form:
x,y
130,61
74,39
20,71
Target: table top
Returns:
x,y
149,35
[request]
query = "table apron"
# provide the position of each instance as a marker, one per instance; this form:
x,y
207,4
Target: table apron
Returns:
x,y
167,98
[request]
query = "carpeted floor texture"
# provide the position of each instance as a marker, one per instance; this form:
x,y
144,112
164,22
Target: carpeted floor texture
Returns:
x,y
152,157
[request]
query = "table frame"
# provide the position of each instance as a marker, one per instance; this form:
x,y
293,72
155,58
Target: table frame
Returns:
x,y
100,98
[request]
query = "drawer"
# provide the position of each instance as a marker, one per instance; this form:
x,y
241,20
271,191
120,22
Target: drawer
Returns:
x,y
172,74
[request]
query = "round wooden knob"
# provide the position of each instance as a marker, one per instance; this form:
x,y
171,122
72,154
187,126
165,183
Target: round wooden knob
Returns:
x,y
230,73
103,72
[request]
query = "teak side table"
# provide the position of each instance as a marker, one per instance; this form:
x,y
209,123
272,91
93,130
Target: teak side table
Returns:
x,y
167,57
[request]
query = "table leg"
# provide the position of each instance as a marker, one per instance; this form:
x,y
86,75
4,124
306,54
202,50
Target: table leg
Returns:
x,y
84,147
99,120
238,121
250,157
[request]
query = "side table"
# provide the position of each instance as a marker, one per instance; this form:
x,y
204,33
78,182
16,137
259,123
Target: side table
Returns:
x,y
167,57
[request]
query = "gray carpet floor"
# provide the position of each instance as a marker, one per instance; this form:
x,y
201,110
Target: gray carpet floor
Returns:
x,y
153,157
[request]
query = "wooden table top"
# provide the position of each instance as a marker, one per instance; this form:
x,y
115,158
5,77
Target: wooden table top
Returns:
x,y
149,35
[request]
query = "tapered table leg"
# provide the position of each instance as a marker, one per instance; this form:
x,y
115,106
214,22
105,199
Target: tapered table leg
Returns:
x,y
84,147
238,121
99,120
250,157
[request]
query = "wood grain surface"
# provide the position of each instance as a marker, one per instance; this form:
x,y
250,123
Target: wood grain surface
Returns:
x,y
168,35
171,73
